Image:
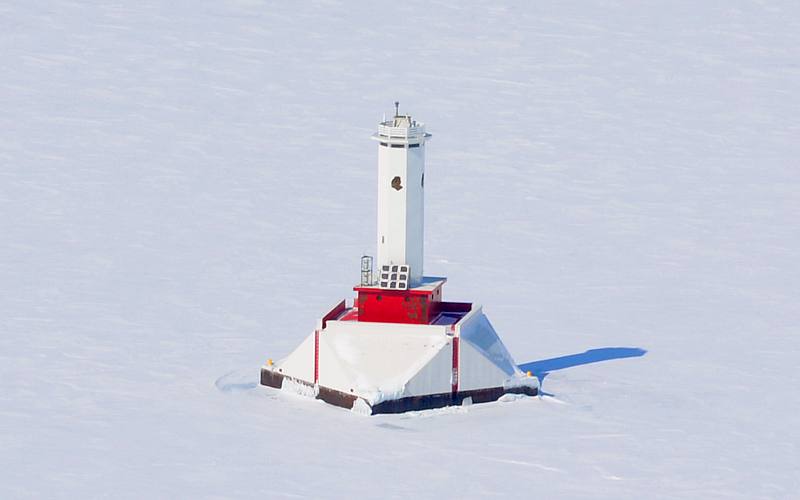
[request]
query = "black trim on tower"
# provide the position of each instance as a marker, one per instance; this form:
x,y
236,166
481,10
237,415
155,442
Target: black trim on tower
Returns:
x,y
385,144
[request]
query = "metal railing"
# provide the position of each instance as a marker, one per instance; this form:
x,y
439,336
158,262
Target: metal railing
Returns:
x,y
401,132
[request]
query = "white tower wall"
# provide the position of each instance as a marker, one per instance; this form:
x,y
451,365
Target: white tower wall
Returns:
x,y
401,200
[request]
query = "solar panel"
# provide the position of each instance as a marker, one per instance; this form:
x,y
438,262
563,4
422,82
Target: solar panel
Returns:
x,y
394,277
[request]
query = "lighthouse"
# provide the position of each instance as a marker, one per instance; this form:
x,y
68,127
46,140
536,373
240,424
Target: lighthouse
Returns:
x,y
401,190
399,346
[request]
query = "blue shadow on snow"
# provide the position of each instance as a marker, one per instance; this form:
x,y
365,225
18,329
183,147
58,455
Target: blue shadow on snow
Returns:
x,y
544,366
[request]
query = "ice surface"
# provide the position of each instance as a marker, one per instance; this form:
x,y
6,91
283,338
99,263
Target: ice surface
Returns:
x,y
185,187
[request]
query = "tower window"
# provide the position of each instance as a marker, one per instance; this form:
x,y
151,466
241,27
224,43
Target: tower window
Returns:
x,y
397,184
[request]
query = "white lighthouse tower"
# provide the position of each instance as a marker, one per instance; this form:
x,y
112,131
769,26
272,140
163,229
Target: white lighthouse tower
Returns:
x,y
401,193
399,346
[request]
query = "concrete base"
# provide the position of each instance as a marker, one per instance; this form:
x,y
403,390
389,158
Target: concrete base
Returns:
x,y
272,378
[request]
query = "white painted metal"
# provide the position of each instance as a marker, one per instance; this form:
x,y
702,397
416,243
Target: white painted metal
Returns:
x,y
476,330
479,372
401,204
385,361
434,377
300,363
484,360
376,361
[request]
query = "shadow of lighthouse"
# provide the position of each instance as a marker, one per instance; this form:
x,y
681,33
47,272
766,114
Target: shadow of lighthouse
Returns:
x,y
543,367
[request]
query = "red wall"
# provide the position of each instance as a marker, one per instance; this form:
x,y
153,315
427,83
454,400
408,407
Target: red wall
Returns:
x,y
397,306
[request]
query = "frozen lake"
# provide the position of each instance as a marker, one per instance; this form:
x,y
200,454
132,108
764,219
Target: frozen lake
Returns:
x,y
186,186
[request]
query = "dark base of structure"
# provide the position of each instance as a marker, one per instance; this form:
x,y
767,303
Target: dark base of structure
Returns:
x,y
274,379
